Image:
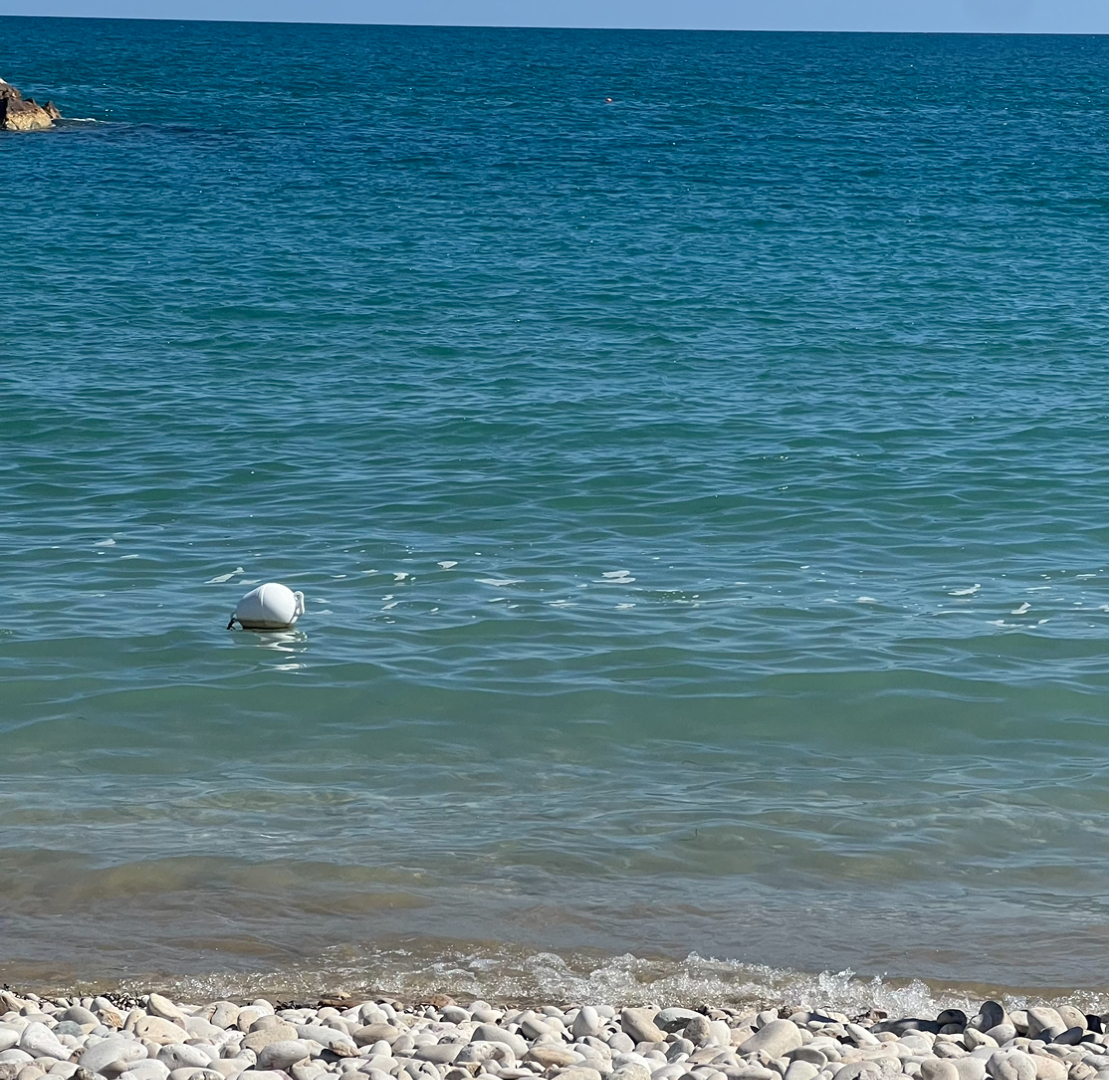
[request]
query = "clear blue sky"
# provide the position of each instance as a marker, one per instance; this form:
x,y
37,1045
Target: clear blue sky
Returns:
x,y
1035,16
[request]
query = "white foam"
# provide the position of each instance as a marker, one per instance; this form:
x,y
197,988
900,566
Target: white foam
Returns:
x,y
105,543
965,592
447,564
400,575
866,600
618,981
1022,609
498,583
221,578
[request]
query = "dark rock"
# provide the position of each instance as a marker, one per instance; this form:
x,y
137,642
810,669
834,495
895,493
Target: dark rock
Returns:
x,y
989,1016
952,1016
903,1027
20,114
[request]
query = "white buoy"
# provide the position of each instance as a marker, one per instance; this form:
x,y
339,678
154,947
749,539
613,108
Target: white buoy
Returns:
x,y
269,607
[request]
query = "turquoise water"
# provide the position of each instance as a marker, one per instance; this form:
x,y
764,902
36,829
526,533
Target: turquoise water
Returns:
x,y
701,498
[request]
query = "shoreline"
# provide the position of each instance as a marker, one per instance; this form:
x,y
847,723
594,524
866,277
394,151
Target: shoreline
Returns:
x,y
121,1036
538,979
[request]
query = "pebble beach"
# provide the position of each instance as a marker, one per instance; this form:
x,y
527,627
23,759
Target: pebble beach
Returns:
x,y
151,1037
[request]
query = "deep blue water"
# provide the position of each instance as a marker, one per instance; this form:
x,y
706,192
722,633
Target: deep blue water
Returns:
x,y
701,497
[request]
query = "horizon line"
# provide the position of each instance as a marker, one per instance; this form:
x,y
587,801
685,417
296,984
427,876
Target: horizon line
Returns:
x,y
514,26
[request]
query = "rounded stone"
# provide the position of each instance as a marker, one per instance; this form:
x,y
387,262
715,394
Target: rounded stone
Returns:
x,y
939,1069
491,1033
1044,1019
183,1056
110,1051
144,1069
586,1023
338,1042
79,1015
39,1041
439,1053
282,1055
1049,1068
989,1016
1071,1016
672,1020
630,1070
553,1056
776,1039
812,1054
1011,1065
372,1033
158,1029
260,1039
801,1070
970,1068
162,1006
639,1025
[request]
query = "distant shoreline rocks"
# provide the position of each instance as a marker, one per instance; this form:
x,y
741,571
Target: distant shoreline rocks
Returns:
x,y
24,114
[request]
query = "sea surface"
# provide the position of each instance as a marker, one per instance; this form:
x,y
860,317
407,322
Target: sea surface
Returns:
x,y
694,449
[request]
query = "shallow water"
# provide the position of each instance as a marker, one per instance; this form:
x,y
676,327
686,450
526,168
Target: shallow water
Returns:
x,y
701,501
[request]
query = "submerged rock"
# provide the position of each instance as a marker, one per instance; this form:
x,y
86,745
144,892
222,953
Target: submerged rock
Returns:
x,y
24,114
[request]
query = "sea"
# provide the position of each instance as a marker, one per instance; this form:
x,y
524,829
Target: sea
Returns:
x,y
694,451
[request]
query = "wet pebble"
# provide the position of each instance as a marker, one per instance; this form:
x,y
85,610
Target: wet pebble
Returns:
x,y
86,1038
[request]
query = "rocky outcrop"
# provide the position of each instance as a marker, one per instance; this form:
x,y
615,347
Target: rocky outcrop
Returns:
x,y
20,114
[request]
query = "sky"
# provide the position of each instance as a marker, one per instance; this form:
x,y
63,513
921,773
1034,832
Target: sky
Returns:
x,y
1011,16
